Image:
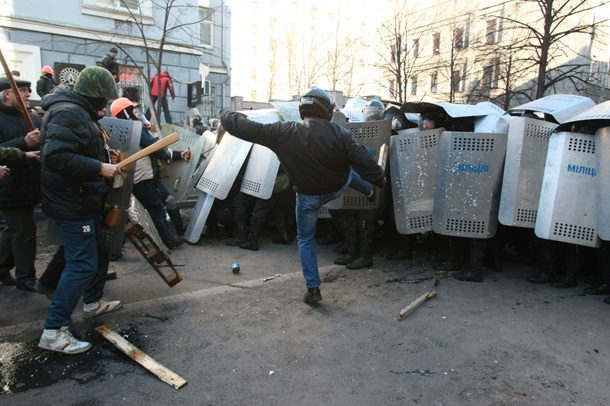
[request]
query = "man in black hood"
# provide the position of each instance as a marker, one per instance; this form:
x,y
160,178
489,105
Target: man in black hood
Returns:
x,y
75,170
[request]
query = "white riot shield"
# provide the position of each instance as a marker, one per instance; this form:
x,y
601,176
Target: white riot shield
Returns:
x,y
199,216
468,180
602,150
528,141
204,159
224,166
288,110
413,157
260,173
372,135
263,164
124,137
562,107
567,209
176,175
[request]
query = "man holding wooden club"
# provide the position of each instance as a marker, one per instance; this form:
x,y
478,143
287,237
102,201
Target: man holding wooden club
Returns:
x,y
75,172
19,192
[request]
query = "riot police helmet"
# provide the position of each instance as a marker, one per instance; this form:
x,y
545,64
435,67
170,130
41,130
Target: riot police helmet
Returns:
x,y
373,110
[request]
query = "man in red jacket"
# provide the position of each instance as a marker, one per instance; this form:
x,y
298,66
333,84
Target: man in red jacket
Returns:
x,y
165,83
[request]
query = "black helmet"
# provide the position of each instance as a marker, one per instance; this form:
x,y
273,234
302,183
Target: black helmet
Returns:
x,y
316,103
373,110
197,119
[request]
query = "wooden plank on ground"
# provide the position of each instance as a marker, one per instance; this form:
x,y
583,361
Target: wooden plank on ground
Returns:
x,y
141,358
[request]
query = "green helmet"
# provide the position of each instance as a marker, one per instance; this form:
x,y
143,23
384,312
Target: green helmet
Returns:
x,y
96,82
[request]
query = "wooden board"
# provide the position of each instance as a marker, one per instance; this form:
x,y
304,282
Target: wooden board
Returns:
x,y
141,358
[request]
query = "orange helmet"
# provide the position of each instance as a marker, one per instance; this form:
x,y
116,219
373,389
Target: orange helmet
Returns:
x,y
48,70
119,105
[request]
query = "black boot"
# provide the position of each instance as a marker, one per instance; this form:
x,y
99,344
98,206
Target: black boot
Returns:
x,y
365,260
239,233
602,262
454,262
283,236
255,230
312,295
572,261
405,249
547,264
474,270
348,223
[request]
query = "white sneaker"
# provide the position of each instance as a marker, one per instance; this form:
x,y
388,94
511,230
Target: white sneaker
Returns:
x,y
94,309
62,341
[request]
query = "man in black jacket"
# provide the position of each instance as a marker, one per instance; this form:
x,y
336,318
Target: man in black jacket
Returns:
x,y
20,192
111,63
75,169
317,155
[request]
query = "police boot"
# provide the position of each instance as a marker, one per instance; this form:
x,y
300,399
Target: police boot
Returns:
x,y
602,261
405,249
239,233
255,231
572,261
282,237
474,270
493,253
454,262
365,260
547,264
351,241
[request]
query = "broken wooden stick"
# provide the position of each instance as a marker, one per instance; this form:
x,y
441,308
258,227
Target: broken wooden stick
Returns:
x,y
415,304
141,358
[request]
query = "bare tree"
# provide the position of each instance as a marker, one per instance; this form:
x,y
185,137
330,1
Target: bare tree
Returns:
x,y
176,20
547,24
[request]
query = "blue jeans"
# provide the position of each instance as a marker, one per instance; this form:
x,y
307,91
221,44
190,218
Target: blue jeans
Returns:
x,y
307,208
84,276
359,184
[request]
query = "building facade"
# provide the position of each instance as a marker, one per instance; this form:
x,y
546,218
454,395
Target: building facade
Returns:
x,y
465,52
188,38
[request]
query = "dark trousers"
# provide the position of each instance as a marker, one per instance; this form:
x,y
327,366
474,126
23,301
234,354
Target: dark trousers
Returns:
x,y
18,243
164,107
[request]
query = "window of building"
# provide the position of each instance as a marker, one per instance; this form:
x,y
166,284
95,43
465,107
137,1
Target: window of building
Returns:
x,y
436,43
206,18
458,38
434,83
392,87
413,85
415,48
254,5
457,81
255,30
119,10
254,53
393,50
253,95
491,32
253,76
487,78
273,24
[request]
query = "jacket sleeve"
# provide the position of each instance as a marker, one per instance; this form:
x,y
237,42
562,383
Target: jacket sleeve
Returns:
x,y
171,87
147,139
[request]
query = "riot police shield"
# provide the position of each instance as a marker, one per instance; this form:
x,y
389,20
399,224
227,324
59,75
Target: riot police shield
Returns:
x,y
413,157
176,175
602,150
124,137
372,135
567,207
468,180
562,107
526,150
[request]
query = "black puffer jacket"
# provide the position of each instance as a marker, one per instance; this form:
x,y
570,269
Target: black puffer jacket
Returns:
x,y
22,188
73,150
316,154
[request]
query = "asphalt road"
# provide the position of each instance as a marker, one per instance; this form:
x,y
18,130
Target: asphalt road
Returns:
x,y
240,340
